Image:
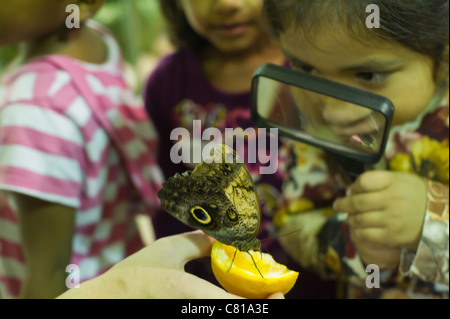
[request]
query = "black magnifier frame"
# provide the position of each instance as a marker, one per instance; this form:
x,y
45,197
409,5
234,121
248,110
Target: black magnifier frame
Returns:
x,y
326,87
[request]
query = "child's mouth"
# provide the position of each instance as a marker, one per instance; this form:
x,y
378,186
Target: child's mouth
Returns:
x,y
232,30
366,140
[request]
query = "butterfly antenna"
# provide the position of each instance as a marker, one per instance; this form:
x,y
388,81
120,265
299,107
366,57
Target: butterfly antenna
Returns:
x,y
263,247
281,235
234,256
255,263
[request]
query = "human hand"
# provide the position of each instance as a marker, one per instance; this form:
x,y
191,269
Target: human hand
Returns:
x,y
157,271
386,209
383,256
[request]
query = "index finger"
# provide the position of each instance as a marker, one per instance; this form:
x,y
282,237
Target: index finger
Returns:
x,y
171,252
369,182
177,250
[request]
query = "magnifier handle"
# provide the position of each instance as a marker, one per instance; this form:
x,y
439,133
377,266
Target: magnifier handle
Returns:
x,y
352,167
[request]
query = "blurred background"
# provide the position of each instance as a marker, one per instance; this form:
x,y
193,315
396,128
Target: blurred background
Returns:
x,y
138,27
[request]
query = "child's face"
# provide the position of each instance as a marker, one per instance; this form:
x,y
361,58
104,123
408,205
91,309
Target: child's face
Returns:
x,y
24,20
229,25
385,68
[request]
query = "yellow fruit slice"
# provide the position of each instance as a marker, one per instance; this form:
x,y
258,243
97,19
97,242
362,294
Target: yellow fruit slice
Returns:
x,y
244,279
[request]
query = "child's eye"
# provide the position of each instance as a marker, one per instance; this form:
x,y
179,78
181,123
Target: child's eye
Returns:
x,y
372,77
303,68
306,68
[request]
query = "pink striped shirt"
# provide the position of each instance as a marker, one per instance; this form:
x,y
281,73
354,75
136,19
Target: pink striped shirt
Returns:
x,y
72,133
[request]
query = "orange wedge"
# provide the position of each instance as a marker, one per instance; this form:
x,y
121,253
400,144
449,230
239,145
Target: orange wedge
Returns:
x,y
244,279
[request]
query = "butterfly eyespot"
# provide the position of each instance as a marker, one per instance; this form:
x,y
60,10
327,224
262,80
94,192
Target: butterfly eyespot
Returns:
x,y
232,212
200,215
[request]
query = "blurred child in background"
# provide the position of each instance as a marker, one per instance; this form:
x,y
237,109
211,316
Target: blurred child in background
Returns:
x,y
395,217
219,45
76,151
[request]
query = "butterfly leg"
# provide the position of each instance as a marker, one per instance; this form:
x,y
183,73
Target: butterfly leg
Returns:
x,y
234,256
255,264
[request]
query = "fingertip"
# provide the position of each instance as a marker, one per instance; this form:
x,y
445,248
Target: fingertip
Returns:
x,y
276,295
200,244
336,205
348,192
201,235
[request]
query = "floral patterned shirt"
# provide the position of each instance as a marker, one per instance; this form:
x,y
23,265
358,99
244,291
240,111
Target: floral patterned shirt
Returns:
x,y
323,242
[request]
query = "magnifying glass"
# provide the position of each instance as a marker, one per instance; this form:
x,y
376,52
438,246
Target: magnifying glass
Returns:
x,y
350,124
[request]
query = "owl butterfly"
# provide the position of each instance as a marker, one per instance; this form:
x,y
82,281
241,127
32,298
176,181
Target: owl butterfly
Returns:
x,y
218,197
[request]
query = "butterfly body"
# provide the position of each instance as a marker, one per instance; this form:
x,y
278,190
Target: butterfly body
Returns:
x,y
218,197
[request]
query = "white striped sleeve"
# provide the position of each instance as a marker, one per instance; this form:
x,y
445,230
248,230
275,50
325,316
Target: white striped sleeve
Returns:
x,y
42,120
40,154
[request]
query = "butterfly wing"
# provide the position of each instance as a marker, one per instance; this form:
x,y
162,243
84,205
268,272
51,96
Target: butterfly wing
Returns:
x,y
218,197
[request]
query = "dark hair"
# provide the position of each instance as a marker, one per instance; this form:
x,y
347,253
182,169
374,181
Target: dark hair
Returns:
x,y
421,25
180,32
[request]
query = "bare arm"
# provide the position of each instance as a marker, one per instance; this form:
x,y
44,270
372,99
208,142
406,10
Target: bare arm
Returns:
x,y
46,231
